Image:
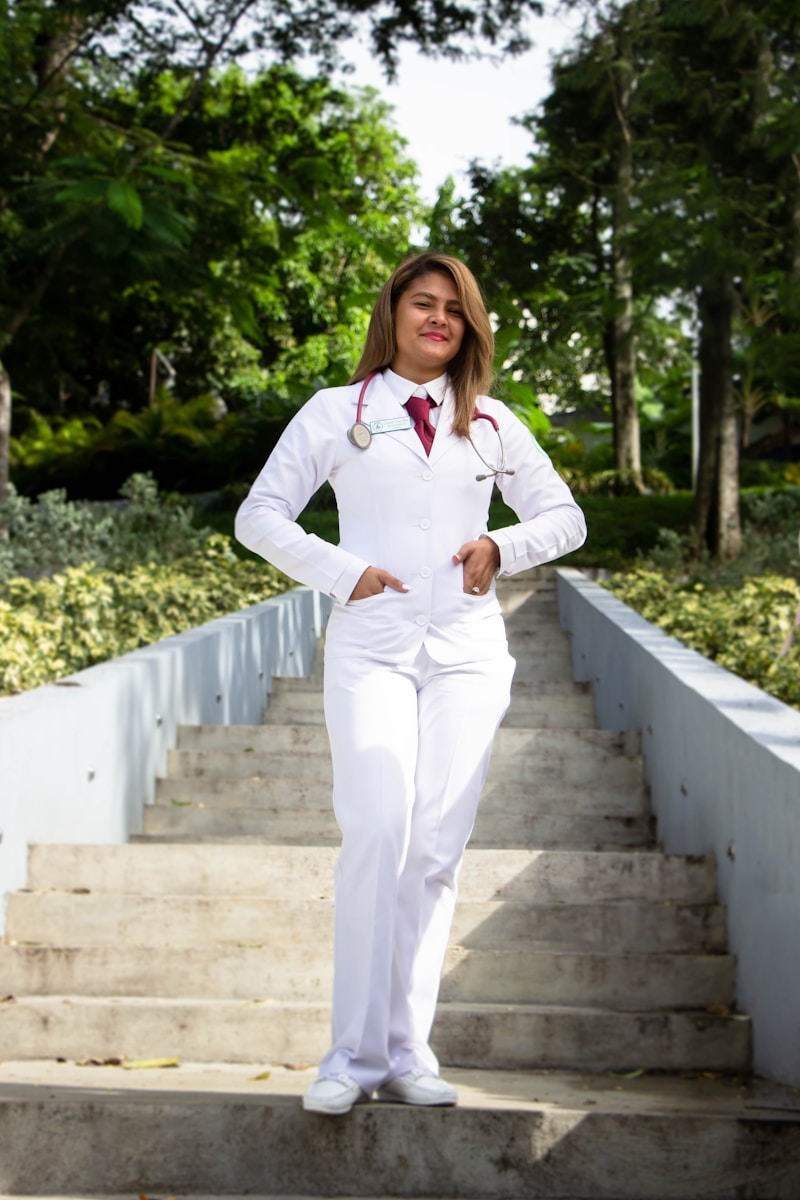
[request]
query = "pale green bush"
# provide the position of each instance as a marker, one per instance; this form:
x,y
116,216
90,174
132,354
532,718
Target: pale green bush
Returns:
x,y
52,533
742,628
86,614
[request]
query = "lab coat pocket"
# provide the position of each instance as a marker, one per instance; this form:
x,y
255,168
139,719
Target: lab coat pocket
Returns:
x,y
376,627
365,601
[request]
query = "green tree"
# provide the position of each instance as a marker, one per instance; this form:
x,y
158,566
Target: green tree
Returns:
x,y
665,167
295,194
720,194
58,64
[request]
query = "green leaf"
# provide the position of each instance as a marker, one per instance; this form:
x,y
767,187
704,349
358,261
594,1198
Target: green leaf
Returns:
x,y
124,199
86,189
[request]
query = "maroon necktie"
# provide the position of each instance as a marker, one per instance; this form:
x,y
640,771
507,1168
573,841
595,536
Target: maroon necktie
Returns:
x,y
419,409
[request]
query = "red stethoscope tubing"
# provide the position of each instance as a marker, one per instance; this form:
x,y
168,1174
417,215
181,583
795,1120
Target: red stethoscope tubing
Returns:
x,y
476,416
361,395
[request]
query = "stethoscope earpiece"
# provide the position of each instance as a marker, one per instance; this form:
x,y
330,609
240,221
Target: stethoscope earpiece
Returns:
x,y
499,471
491,472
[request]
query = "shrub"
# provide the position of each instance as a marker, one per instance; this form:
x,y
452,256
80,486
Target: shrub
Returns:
x,y
625,483
86,614
54,533
187,447
742,628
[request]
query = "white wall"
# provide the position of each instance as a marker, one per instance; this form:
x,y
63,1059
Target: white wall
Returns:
x,y
79,759
722,760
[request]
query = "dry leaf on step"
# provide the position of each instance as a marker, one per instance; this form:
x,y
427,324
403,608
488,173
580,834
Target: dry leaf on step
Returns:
x,y
149,1064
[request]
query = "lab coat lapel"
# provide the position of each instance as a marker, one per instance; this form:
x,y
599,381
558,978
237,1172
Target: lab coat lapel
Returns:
x,y
380,403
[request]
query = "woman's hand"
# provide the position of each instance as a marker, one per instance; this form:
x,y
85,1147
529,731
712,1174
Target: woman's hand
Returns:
x,y
481,561
373,581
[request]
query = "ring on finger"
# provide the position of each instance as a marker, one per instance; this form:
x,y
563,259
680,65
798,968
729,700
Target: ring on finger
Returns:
x,y
476,591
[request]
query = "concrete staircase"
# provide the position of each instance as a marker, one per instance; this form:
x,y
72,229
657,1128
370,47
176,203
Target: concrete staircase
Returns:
x,y
587,1010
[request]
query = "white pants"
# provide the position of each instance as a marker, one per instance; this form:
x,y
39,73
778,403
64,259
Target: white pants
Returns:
x,y
411,747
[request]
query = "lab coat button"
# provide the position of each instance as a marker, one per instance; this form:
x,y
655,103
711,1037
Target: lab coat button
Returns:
x,y
426,475
425,572
421,619
425,523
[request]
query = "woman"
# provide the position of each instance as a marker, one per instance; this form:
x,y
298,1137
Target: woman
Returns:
x,y
417,669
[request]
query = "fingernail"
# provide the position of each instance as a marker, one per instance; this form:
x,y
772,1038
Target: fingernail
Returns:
x,y
406,588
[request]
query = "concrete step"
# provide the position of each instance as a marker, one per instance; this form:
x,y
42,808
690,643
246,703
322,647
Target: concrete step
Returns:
x,y
522,756
257,740
537,637
592,950
547,664
305,872
609,770
615,802
204,820
303,972
177,921
557,709
204,1131
505,1036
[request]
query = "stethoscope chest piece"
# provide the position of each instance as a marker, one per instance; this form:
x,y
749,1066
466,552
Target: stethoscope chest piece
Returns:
x,y
360,435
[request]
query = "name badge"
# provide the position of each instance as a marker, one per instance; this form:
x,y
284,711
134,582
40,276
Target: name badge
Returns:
x,y
390,425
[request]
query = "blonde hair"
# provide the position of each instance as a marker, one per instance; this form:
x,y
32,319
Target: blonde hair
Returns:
x,y
470,371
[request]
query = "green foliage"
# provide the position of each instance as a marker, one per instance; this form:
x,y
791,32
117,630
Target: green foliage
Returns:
x,y
624,483
769,544
87,614
190,447
668,142
771,511
742,629
81,583
624,527
248,253
45,441
739,614
53,533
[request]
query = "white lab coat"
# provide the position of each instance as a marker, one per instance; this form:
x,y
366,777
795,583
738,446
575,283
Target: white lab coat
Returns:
x,y
416,683
408,514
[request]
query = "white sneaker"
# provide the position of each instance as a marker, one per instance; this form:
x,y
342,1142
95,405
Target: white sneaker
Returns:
x,y
418,1088
333,1094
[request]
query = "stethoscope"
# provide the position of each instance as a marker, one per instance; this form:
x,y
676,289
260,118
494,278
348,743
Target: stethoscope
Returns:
x,y
360,434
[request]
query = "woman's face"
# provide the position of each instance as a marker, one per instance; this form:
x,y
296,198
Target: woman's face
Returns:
x,y
428,327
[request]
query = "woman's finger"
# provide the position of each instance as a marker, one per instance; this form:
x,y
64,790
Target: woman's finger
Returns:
x,y
373,582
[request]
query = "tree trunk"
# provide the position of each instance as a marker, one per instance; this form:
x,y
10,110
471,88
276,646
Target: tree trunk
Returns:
x,y
627,442
717,522
5,435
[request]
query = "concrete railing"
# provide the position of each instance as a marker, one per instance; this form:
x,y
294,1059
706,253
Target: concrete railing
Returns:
x,y
79,759
722,761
